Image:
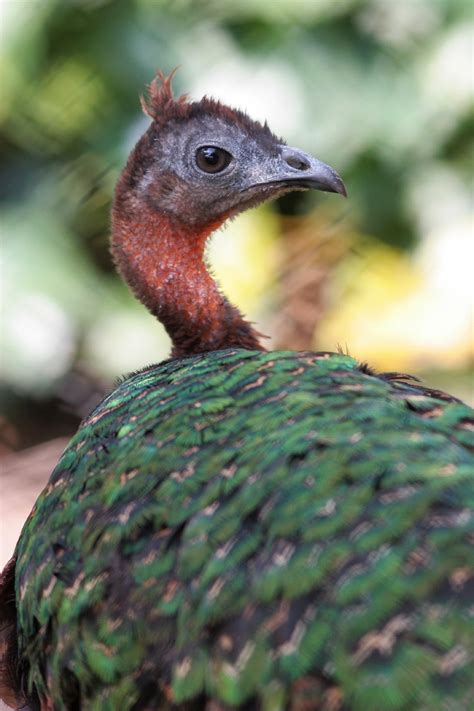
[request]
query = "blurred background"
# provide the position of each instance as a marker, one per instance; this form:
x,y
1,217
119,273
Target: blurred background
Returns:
x,y
380,89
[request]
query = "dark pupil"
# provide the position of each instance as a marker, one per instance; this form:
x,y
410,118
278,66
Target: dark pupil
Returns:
x,y
211,159
211,155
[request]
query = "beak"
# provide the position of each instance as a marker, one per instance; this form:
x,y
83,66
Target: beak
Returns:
x,y
299,169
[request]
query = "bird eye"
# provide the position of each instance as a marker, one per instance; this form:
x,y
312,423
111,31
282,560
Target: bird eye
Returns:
x,y
211,159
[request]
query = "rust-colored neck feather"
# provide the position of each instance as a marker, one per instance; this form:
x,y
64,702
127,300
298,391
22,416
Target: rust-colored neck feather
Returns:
x,y
163,263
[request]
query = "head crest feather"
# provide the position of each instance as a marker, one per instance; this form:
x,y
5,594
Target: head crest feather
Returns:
x,y
161,106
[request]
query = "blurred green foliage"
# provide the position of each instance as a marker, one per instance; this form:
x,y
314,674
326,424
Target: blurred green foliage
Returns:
x,y
378,88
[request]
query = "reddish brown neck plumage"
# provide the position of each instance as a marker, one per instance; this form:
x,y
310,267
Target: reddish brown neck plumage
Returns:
x,y
163,263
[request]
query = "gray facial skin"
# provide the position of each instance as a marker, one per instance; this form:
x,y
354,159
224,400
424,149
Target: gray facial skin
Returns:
x,y
262,167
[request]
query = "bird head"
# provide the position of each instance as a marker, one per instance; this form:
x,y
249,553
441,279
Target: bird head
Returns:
x,y
201,162
197,164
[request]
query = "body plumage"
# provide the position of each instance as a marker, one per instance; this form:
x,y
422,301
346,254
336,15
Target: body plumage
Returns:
x,y
167,559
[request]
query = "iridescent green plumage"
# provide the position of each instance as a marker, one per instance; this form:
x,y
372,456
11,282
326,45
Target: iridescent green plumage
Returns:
x,y
259,530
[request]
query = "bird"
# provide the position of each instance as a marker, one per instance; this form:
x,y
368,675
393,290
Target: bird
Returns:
x,y
238,528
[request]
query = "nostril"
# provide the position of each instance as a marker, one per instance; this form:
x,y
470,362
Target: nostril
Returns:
x,y
297,163
295,159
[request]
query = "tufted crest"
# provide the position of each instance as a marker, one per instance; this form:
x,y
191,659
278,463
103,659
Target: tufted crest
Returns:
x,y
161,106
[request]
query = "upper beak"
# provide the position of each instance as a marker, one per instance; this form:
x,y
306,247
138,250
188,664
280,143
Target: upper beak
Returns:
x,y
303,170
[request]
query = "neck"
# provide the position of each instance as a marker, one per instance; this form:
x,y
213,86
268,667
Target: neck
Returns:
x,y
163,263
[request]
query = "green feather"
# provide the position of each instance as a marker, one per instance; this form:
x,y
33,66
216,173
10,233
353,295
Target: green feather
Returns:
x,y
255,528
